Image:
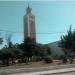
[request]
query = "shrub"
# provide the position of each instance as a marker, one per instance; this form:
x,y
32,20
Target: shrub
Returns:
x,y
48,59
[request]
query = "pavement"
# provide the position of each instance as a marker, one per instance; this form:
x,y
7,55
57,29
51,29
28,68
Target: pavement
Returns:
x,y
40,70
49,72
70,73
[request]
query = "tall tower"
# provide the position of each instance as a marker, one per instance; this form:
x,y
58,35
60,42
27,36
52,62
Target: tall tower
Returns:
x,y
29,24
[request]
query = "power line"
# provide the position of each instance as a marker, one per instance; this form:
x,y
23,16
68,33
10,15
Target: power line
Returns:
x,y
10,31
33,33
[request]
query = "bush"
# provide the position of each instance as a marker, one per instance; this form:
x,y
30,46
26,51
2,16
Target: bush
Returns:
x,y
48,59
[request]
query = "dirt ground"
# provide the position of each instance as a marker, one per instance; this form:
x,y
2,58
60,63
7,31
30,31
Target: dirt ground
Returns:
x,y
34,64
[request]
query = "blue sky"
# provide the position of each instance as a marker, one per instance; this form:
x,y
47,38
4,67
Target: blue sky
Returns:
x,y
52,18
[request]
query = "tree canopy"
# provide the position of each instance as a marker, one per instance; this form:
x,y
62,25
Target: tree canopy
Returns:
x,y
67,42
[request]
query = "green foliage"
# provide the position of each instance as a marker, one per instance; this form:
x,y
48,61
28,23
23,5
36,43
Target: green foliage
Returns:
x,y
64,59
23,52
47,48
1,41
48,59
31,48
67,43
8,54
66,40
29,44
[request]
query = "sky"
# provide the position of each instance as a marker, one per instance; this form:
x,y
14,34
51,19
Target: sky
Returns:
x,y
52,18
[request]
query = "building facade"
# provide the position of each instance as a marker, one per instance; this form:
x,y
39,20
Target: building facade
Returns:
x,y
29,24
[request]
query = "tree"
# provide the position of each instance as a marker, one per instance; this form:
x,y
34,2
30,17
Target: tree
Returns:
x,y
8,40
16,54
1,40
67,43
47,48
10,54
73,41
28,47
29,44
41,51
31,48
5,56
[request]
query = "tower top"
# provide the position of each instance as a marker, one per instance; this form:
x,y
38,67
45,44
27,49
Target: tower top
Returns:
x,y
28,10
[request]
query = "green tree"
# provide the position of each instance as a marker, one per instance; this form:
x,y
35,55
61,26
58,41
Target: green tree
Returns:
x,y
31,48
5,56
67,43
1,40
28,47
29,44
42,50
10,54
47,48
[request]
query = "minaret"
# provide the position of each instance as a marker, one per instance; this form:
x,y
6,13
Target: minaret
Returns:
x,y
29,24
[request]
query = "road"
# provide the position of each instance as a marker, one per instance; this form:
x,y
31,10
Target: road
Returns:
x,y
70,73
65,71
57,70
